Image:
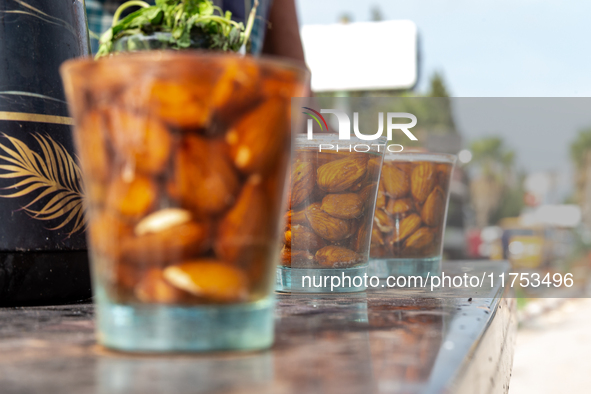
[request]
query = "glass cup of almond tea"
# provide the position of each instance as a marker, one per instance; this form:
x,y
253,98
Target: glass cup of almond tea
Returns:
x,y
411,208
329,214
184,157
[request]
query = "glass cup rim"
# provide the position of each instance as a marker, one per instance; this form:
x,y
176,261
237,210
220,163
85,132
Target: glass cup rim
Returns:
x,y
161,57
435,157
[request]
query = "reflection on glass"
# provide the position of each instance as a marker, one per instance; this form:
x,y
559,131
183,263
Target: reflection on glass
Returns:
x,y
146,375
405,341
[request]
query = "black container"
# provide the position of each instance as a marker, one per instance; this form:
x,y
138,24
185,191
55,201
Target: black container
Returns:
x,y
43,258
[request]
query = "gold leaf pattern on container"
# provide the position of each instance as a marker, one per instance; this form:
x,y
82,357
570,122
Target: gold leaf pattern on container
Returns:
x,y
55,175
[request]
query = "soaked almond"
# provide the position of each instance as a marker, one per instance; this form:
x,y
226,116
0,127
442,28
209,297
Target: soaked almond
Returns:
x,y
153,288
339,175
140,140
162,220
383,221
400,207
336,256
210,279
178,104
406,227
343,206
423,179
303,180
396,181
434,208
243,231
421,238
303,238
167,245
132,198
326,226
205,179
256,141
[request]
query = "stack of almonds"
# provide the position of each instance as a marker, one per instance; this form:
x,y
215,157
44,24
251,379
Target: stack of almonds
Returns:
x,y
410,209
328,224
185,173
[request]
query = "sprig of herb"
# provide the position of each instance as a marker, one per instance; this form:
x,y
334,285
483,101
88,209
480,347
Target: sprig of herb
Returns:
x,y
190,24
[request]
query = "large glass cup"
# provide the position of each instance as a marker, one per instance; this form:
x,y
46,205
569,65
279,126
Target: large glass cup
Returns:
x,y
333,189
411,208
184,157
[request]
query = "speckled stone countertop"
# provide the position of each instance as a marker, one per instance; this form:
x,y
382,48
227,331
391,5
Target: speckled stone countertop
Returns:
x,y
382,341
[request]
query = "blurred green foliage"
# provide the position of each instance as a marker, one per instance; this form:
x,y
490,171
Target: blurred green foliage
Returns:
x,y
511,202
493,164
580,146
437,88
493,157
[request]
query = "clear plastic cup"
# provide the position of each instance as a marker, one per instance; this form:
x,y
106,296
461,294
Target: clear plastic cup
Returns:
x,y
411,208
329,215
184,157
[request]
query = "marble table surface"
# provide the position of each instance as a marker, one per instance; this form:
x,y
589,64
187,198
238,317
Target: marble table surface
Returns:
x,y
379,341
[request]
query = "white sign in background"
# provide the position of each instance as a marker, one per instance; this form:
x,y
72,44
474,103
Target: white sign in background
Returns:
x,y
362,56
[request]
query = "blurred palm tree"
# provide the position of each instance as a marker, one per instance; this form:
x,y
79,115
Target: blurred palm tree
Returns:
x,y
580,151
437,88
493,157
441,112
376,14
493,164
580,146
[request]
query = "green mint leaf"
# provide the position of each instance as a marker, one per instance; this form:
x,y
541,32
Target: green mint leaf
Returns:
x,y
107,36
205,8
177,32
184,23
155,15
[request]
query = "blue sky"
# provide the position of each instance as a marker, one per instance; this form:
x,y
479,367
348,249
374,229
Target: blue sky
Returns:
x,y
485,48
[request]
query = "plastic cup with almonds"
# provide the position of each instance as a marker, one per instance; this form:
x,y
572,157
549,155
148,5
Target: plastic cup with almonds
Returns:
x,y
184,157
329,214
411,208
